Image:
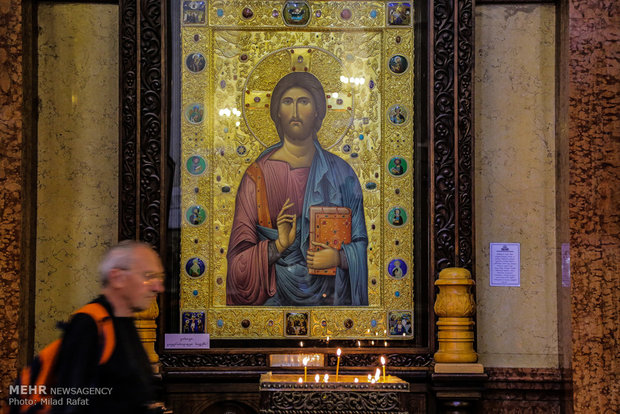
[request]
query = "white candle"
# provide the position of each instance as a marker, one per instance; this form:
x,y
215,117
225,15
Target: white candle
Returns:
x,y
383,363
338,352
305,361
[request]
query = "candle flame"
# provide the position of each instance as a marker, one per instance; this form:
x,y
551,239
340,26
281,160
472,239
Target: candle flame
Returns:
x,y
338,352
356,380
316,378
377,374
300,380
305,361
382,361
326,378
301,344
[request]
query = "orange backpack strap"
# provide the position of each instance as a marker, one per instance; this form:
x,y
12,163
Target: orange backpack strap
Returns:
x,y
256,174
105,327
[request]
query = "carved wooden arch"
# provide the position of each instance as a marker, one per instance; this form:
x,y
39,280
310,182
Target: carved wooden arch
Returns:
x,y
144,142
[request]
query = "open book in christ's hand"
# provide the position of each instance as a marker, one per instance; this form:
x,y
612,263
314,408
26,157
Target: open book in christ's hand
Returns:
x,y
330,226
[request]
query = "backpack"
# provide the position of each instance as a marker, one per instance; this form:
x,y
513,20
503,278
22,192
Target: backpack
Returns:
x,y
31,391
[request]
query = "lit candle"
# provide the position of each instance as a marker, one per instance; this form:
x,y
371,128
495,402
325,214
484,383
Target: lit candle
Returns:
x,y
383,363
356,380
377,375
369,377
305,369
328,339
326,378
316,378
359,344
301,344
338,352
300,380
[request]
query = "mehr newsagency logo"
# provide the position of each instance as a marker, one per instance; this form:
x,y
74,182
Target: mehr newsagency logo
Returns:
x,y
31,395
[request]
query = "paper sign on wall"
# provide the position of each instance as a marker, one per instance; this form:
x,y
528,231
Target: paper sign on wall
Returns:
x,y
187,341
565,265
505,265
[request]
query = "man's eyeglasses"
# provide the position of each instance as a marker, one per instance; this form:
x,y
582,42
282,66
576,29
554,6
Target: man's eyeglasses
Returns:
x,y
149,277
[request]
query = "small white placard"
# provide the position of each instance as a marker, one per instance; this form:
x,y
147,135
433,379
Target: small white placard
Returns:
x,y
565,265
187,341
505,264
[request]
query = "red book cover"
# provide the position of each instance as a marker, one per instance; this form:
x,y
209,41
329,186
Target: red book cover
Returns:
x,y
331,226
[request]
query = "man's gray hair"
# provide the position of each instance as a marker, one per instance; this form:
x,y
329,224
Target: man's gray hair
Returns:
x,y
120,256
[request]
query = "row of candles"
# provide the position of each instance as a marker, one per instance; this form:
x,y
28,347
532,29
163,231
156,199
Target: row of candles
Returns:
x,y
317,377
359,342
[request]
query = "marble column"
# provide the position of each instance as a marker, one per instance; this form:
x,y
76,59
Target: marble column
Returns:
x,y
594,128
11,191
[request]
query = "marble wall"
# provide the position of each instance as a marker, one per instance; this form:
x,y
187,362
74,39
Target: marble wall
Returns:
x,y
515,186
594,139
11,144
77,154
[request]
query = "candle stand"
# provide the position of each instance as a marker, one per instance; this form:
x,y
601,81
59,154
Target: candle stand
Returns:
x,y
283,394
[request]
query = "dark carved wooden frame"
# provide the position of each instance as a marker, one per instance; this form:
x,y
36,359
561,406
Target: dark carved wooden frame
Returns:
x,y
144,149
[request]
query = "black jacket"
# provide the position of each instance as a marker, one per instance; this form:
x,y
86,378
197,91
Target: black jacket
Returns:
x,y
127,376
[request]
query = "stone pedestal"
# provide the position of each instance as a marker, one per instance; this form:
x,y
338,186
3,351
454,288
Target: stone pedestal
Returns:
x,y
455,307
147,329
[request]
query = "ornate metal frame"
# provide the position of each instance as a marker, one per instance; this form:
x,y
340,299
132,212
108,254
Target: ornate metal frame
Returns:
x,y
144,148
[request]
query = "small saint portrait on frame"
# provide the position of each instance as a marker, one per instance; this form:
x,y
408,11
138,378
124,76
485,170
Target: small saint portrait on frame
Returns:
x,y
195,267
398,64
193,322
194,113
194,12
397,115
297,324
397,217
397,166
196,215
400,323
397,268
399,14
296,13
196,165
195,62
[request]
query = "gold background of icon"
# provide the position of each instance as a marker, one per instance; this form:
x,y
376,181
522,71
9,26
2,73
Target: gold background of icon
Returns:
x,y
245,59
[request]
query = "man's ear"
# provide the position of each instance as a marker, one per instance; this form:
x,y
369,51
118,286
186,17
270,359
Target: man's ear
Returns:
x,y
117,278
